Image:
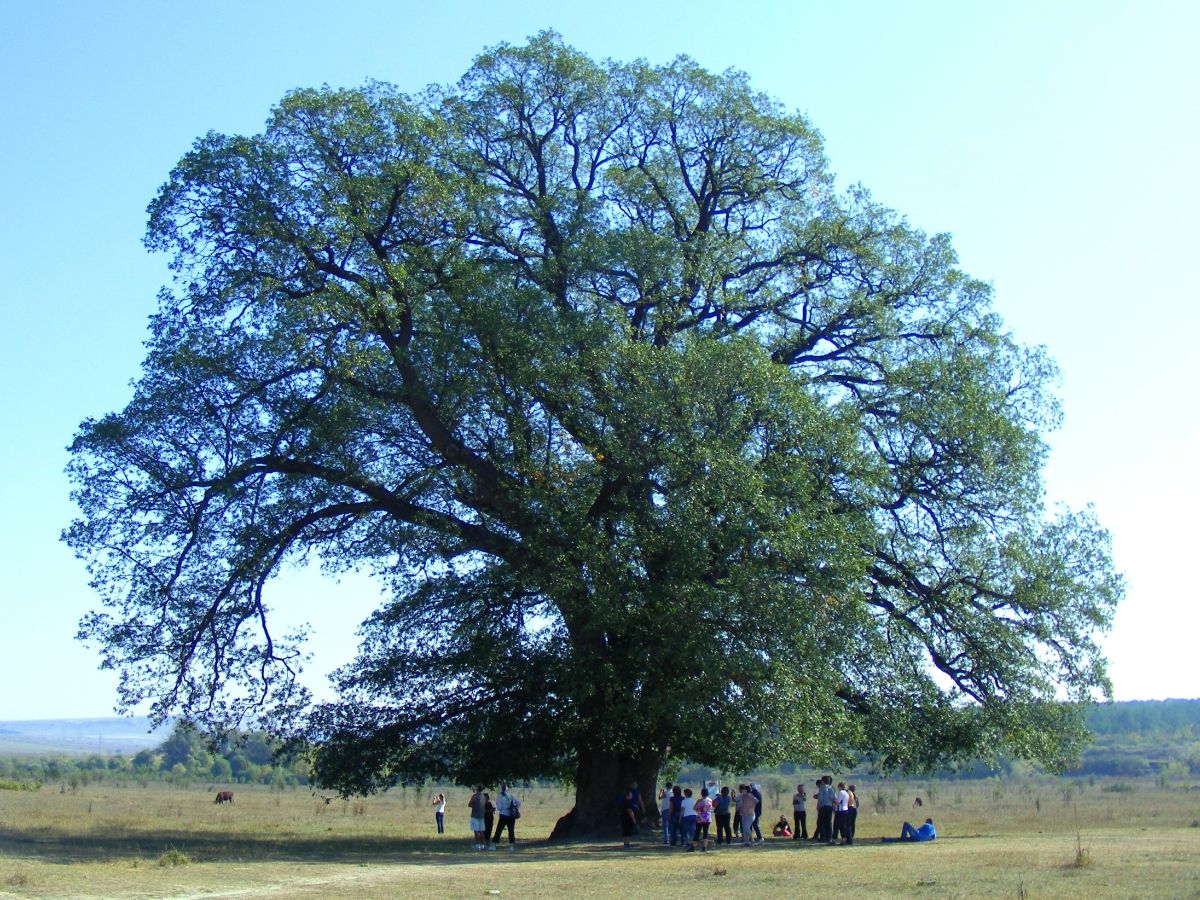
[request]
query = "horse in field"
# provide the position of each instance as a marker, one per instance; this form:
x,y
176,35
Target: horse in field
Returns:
x,y
224,797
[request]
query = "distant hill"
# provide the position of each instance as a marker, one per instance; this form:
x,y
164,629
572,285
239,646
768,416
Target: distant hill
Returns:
x,y
1131,737
76,736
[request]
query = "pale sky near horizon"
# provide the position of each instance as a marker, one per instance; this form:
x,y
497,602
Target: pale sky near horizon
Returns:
x,y
1057,142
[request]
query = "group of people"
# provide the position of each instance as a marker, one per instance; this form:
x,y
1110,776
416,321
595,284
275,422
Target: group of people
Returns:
x,y
688,818
837,812
483,816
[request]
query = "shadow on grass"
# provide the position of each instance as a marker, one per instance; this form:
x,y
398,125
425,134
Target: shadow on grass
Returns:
x,y
50,847
55,848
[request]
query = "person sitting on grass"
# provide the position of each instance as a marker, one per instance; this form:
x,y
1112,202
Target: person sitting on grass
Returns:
x,y
908,834
782,828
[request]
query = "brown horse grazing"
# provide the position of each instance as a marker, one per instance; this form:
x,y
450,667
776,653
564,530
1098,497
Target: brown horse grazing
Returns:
x,y
224,797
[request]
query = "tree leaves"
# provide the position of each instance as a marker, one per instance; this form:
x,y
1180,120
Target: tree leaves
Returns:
x,y
656,439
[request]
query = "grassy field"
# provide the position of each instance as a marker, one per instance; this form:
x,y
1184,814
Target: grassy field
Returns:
x,y
1030,839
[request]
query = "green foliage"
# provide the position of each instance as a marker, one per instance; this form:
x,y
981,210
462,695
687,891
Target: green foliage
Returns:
x,y
20,786
774,787
881,800
1155,719
661,445
145,759
172,856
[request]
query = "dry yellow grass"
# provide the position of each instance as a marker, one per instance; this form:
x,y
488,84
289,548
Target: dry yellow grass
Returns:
x,y
109,841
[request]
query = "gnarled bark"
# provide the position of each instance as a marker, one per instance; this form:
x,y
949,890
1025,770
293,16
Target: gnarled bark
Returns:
x,y
601,779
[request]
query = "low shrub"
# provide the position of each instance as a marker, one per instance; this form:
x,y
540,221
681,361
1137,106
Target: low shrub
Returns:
x,y
173,857
20,785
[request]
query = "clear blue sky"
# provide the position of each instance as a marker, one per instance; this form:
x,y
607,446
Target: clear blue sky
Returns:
x,y
1058,142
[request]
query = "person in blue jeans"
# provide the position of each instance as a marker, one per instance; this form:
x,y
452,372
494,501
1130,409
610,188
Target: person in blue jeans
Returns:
x,y
909,835
687,821
664,810
439,812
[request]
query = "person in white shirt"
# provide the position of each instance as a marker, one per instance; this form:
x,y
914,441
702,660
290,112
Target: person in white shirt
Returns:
x,y
439,812
799,814
841,814
687,817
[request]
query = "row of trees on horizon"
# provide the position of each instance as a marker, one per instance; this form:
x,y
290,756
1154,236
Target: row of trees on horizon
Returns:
x,y
1132,739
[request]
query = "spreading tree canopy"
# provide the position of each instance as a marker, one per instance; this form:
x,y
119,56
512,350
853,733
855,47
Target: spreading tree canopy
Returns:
x,y
661,445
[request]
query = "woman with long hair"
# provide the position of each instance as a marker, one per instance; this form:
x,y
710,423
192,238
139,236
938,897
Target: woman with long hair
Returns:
x,y
439,812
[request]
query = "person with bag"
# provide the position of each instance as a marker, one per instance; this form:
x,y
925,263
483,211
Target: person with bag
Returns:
x,y
509,809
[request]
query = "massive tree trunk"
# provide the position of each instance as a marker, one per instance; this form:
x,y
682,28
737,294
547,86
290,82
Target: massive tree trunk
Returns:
x,y
601,780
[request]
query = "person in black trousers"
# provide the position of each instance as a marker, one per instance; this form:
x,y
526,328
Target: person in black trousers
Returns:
x,y
799,815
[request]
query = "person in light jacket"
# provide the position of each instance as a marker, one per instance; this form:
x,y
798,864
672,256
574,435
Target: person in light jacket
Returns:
x,y
506,808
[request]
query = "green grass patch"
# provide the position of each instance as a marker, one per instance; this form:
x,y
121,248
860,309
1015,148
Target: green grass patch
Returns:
x,y
292,844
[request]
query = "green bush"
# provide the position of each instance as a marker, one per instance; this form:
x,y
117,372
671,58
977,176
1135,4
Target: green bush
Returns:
x,y
173,857
20,786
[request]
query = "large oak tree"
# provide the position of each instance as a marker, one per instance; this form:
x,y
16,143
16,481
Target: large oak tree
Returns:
x,y
661,445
